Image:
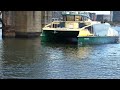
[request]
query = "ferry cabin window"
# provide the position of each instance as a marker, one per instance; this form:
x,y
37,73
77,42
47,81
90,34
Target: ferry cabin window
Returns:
x,y
64,18
55,25
70,18
77,18
90,29
84,18
81,25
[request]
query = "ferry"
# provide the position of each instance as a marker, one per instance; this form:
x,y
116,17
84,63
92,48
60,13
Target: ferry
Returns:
x,y
79,28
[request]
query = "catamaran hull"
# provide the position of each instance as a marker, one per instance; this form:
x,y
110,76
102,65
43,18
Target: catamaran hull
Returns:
x,y
98,40
59,36
71,36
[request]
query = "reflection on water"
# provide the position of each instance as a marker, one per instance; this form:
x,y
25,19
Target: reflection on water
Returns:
x,y
31,59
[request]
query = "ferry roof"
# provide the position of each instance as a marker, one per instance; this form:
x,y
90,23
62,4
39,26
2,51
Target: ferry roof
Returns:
x,y
80,13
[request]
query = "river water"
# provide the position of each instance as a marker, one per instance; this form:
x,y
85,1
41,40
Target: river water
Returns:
x,y
31,59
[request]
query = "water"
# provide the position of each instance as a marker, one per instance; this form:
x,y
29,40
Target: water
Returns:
x,y
31,59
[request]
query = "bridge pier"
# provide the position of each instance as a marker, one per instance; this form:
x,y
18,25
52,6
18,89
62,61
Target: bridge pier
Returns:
x,y
23,23
8,29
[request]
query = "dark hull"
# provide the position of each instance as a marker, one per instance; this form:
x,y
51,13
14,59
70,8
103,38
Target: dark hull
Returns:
x,y
97,40
71,37
59,36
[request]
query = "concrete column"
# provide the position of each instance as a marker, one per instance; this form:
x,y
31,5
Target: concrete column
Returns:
x,y
46,17
8,20
28,23
25,23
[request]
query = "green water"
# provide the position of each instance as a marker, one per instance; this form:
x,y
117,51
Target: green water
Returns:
x,y
31,59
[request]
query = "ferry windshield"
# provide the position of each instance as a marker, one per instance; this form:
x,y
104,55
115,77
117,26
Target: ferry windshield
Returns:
x,y
73,16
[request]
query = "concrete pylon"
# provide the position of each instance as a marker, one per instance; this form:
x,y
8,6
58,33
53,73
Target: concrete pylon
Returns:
x,y
27,23
23,23
8,25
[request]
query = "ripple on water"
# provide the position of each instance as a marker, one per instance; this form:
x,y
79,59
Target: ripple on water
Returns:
x,y
21,58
